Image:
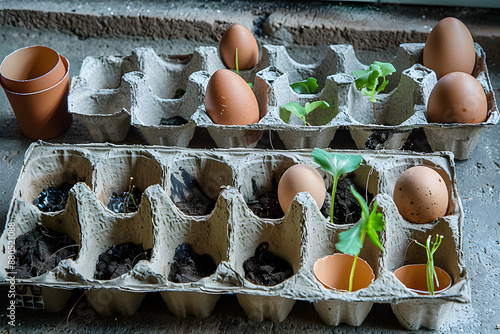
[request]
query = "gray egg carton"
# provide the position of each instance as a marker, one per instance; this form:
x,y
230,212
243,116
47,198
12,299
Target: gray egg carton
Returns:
x,y
112,93
230,233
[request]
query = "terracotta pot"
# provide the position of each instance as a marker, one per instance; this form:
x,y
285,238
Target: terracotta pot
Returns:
x,y
43,114
333,272
31,69
413,276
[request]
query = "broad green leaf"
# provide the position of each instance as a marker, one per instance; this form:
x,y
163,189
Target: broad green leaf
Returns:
x,y
362,81
336,164
316,104
372,80
349,241
295,109
359,73
385,68
308,86
364,207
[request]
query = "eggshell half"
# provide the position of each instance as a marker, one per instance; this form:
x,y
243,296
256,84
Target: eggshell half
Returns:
x,y
421,195
299,178
449,48
457,98
229,100
238,36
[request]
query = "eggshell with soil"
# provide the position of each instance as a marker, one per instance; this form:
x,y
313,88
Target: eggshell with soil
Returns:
x,y
457,98
421,195
238,36
229,100
449,48
299,178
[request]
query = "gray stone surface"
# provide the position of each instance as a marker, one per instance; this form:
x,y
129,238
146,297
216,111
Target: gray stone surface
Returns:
x,y
478,177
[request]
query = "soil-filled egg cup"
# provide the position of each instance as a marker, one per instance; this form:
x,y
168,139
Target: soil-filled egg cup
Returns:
x,y
166,121
284,237
127,175
61,170
206,235
410,311
195,183
103,230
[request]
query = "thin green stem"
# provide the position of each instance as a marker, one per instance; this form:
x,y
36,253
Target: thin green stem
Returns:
x,y
334,188
353,269
236,62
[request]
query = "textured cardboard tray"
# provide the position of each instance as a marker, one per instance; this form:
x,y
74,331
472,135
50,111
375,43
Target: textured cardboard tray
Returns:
x,y
230,233
112,93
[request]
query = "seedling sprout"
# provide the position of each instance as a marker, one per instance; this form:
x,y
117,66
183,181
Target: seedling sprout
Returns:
x,y
430,272
308,86
367,81
302,111
336,164
238,68
351,241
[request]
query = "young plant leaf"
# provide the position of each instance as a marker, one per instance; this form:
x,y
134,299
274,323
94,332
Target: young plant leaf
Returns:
x,y
300,111
335,164
308,86
370,223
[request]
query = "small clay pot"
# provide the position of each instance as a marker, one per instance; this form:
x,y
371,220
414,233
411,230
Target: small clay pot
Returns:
x,y
31,69
413,276
333,272
43,114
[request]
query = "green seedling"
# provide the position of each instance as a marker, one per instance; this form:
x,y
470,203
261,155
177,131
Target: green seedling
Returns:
x,y
308,86
336,164
302,111
238,68
367,81
430,272
351,241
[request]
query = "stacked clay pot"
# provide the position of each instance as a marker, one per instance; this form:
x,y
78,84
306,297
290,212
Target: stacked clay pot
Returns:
x,y
36,82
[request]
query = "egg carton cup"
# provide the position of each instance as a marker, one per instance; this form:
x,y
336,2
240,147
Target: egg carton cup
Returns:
x,y
230,233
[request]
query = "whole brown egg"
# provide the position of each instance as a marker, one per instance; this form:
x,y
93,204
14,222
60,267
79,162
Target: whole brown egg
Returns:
x,y
229,100
299,178
238,36
457,98
449,48
421,195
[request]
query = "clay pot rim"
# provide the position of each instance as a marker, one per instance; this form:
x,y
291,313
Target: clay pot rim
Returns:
x,y
336,289
424,292
61,57
32,79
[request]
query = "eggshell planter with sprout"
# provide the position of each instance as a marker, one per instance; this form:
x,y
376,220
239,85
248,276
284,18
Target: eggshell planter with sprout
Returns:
x,y
43,114
333,272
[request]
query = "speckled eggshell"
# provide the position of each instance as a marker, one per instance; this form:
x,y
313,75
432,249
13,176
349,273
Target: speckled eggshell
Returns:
x,y
457,98
449,48
229,100
299,178
421,195
238,36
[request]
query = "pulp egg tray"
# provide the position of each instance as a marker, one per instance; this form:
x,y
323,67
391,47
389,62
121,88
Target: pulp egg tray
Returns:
x,y
230,233
112,93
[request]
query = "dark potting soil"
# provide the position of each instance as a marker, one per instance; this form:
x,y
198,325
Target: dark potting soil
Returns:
x,y
176,120
129,201
194,204
53,199
120,259
189,266
377,140
264,268
267,206
347,209
40,250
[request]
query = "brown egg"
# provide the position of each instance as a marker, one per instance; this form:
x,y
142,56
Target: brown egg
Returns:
x,y
457,98
421,195
299,178
449,48
229,100
238,36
